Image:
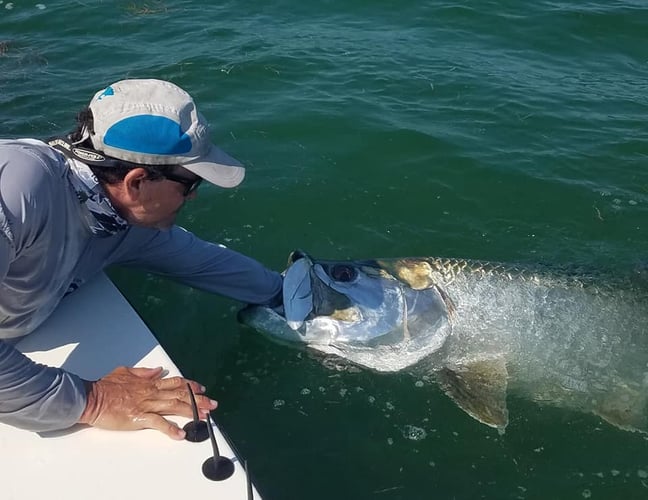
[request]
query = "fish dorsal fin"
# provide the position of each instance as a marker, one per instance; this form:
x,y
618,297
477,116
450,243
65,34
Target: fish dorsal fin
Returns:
x,y
479,388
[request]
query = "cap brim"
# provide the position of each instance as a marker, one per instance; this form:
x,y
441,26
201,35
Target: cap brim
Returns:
x,y
217,167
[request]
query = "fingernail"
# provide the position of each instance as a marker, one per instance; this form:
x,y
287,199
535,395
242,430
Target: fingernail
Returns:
x,y
181,434
203,388
213,403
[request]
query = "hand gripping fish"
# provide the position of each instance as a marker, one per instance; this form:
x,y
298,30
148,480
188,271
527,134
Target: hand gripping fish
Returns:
x,y
573,340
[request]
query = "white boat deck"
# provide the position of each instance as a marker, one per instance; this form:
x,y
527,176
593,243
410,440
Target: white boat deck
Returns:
x,y
93,331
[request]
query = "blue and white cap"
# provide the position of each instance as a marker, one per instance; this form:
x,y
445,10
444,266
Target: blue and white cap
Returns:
x,y
154,122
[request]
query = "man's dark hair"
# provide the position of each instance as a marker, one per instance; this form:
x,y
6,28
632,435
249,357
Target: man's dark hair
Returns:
x,y
111,175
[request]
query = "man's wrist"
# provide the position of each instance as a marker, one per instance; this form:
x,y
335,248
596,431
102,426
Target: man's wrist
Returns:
x,y
89,413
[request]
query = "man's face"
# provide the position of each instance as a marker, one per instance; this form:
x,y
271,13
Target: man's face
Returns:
x,y
156,202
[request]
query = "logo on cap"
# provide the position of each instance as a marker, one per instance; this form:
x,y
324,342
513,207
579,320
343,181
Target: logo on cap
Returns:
x,y
87,155
108,91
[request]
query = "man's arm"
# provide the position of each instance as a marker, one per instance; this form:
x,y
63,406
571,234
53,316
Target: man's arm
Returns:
x,y
37,397
182,256
33,396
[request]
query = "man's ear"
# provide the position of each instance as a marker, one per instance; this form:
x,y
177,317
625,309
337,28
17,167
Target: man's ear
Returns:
x,y
133,181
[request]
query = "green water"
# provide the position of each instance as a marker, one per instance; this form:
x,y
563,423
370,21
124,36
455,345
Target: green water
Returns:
x,y
500,130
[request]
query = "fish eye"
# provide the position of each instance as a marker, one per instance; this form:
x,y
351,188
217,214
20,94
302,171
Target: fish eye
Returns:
x,y
343,273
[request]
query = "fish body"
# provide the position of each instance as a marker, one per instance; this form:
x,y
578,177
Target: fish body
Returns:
x,y
483,329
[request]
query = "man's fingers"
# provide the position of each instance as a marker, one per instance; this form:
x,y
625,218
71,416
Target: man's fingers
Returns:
x,y
179,383
168,407
165,384
154,421
171,383
203,403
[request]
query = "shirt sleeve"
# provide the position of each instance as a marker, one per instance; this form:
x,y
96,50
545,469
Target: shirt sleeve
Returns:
x,y
37,397
182,256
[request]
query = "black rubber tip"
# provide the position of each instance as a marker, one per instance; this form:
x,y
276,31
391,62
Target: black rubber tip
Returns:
x,y
196,431
218,468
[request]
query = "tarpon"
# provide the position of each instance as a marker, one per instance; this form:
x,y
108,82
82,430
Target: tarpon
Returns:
x,y
482,329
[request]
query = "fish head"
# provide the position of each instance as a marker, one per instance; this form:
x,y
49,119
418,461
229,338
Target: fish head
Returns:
x,y
358,310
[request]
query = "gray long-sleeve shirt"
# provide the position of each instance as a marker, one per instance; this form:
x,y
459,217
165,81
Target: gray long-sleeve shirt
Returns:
x,y
47,249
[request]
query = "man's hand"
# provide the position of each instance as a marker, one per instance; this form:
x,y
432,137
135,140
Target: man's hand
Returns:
x,y
136,398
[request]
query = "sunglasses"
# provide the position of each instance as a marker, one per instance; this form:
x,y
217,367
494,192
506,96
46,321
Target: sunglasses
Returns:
x,y
190,185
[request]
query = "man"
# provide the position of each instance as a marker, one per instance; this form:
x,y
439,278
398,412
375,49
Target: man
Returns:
x,y
109,194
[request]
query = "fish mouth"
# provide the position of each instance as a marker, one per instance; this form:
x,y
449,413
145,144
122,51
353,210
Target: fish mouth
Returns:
x,y
295,255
